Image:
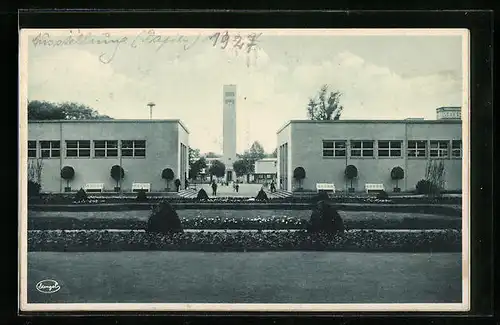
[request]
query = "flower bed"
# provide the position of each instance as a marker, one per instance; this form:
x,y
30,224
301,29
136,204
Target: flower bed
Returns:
x,y
363,241
277,223
96,199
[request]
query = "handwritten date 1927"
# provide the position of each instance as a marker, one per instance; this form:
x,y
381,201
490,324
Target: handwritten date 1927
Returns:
x,y
237,41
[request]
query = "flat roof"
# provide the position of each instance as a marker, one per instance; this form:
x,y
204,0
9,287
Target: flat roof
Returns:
x,y
410,121
114,121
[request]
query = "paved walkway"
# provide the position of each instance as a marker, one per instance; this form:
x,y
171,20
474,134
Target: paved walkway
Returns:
x,y
245,190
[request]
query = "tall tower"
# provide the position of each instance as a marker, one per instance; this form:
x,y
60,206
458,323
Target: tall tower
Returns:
x,y
229,130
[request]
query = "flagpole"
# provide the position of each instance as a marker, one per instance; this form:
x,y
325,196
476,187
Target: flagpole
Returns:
x,y
120,163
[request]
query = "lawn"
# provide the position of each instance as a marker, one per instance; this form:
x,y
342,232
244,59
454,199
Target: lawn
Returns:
x,y
264,277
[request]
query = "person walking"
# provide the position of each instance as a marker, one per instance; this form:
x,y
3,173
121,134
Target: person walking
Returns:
x,y
237,186
186,184
177,184
214,188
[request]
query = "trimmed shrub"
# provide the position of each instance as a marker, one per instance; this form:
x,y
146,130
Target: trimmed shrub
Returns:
x,y
299,174
261,196
81,195
202,195
425,187
117,173
141,196
325,219
164,220
33,188
322,196
382,195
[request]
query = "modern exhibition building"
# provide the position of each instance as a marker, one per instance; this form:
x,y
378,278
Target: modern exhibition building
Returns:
x,y
143,149
325,148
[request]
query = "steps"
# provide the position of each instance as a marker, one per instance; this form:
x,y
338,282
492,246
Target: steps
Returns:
x,y
278,194
189,193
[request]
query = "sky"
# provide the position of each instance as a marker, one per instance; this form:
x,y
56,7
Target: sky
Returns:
x,y
276,72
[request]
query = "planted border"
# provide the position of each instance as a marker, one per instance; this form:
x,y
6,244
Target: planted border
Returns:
x,y
262,223
362,241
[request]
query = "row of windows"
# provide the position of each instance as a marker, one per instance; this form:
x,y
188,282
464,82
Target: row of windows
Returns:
x,y
82,148
415,148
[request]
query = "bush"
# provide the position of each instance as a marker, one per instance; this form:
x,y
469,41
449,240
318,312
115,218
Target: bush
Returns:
x,y
141,196
425,187
322,196
325,219
382,195
164,220
81,195
261,196
33,188
202,195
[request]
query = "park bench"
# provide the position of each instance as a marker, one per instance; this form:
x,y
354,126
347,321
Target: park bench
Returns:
x,y
94,187
136,187
370,187
326,187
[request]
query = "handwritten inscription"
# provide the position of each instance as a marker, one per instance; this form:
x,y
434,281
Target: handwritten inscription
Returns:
x,y
145,38
237,41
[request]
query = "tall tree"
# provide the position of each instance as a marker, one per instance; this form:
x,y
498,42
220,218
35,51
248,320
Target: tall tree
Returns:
x,y
217,168
325,106
194,155
240,167
212,155
256,151
196,167
44,110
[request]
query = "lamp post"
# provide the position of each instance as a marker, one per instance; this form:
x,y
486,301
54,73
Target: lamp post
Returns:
x,y
151,105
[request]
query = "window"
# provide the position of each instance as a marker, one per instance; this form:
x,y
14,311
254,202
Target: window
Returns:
x,y
105,148
417,148
50,149
456,148
389,148
438,149
134,148
230,93
361,148
334,148
229,101
31,149
78,148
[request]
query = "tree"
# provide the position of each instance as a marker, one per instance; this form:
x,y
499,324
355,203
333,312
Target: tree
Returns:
x,y
67,173
240,167
299,174
194,155
397,173
218,169
351,172
325,106
44,110
117,173
168,175
35,168
197,167
212,155
435,174
256,151
274,154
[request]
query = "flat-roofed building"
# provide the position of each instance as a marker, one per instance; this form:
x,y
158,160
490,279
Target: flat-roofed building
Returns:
x,y
143,148
374,147
265,170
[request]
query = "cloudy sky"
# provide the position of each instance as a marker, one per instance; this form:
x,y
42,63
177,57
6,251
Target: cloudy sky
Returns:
x,y
380,76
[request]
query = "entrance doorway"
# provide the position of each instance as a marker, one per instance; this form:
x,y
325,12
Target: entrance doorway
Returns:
x,y
229,176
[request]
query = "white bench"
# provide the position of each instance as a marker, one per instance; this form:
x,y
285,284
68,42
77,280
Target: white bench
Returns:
x,y
327,187
94,187
374,187
136,187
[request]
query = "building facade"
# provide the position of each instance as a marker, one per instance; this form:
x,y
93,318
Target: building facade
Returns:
x,y
229,130
143,148
265,170
325,148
